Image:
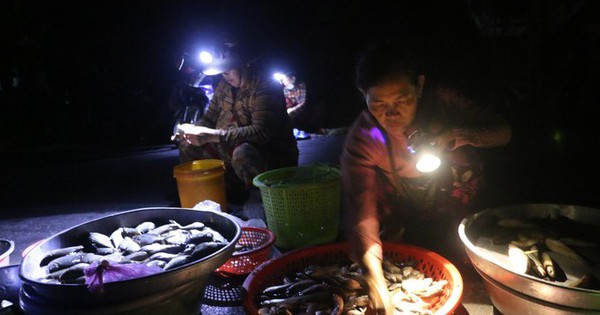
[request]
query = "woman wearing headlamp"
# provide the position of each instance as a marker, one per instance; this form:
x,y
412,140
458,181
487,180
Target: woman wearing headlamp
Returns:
x,y
386,198
245,125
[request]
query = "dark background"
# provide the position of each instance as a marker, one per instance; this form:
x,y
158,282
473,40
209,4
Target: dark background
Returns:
x,y
98,75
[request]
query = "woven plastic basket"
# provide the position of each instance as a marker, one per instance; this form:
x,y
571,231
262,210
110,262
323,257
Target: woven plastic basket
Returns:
x,y
252,249
430,263
301,204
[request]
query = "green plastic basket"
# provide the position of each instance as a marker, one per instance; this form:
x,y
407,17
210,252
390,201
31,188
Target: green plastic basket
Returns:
x,y
302,204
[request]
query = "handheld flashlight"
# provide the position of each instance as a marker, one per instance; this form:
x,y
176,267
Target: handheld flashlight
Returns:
x,y
427,159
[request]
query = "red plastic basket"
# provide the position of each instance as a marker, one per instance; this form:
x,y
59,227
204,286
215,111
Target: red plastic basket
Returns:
x,y
430,263
258,242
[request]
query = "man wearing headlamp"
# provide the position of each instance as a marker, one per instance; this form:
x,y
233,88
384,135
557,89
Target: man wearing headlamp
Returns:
x,y
386,198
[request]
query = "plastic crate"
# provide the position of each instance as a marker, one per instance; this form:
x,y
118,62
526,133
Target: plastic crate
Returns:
x,y
242,262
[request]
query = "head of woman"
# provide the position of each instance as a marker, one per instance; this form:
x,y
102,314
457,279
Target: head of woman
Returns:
x,y
233,77
388,78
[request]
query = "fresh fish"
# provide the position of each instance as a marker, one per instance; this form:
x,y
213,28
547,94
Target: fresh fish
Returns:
x,y
162,256
179,237
156,263
217,237
338,305
537,265
128,245
137,256
194,226
206,248
59,252
145,227
116,237
277,289
69,272
200,237
105,250
548,264
163,248
147,239
164,228
177,262
100,240
71,260
129,231
73,272
562,249
299,286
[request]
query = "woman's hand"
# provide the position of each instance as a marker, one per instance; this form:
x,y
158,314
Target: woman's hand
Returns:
x,y
381,300
444,140
198,135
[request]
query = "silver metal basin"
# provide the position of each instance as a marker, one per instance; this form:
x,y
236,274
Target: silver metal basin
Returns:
x,y
488,259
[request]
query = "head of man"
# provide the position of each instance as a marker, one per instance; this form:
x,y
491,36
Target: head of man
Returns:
x,y
389,80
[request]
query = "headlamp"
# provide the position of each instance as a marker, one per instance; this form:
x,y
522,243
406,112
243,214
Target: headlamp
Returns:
x,y
220,60
278,76
205,57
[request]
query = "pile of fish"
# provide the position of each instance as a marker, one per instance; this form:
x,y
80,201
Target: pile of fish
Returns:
x,y
535,243
341,289
167,246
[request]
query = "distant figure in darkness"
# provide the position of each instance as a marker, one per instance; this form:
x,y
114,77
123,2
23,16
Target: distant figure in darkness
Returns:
x,y
300,107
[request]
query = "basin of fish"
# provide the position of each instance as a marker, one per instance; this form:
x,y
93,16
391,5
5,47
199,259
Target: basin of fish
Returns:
x,y
172,246
550,252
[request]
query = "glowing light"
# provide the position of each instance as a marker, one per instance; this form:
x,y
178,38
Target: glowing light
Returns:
x,y
428,163
212,71
278,76
205,57
518,259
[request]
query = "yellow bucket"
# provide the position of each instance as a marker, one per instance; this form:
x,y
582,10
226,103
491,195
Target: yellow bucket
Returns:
x,y
201,180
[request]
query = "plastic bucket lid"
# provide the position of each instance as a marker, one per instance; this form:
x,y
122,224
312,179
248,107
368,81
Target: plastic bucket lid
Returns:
x,y
199,167
6,248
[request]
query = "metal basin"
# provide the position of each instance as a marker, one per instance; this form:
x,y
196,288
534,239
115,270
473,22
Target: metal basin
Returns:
x,y
501,281
10,283
509,301
175,280
6,248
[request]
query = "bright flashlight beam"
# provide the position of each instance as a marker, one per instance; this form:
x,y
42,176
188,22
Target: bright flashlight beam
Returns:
x,y
428,163
205,57
278,76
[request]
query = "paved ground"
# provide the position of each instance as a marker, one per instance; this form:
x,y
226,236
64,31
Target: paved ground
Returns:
x,y
45,193
43,197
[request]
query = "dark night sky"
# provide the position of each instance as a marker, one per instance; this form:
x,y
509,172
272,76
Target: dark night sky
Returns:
x,y
103,70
